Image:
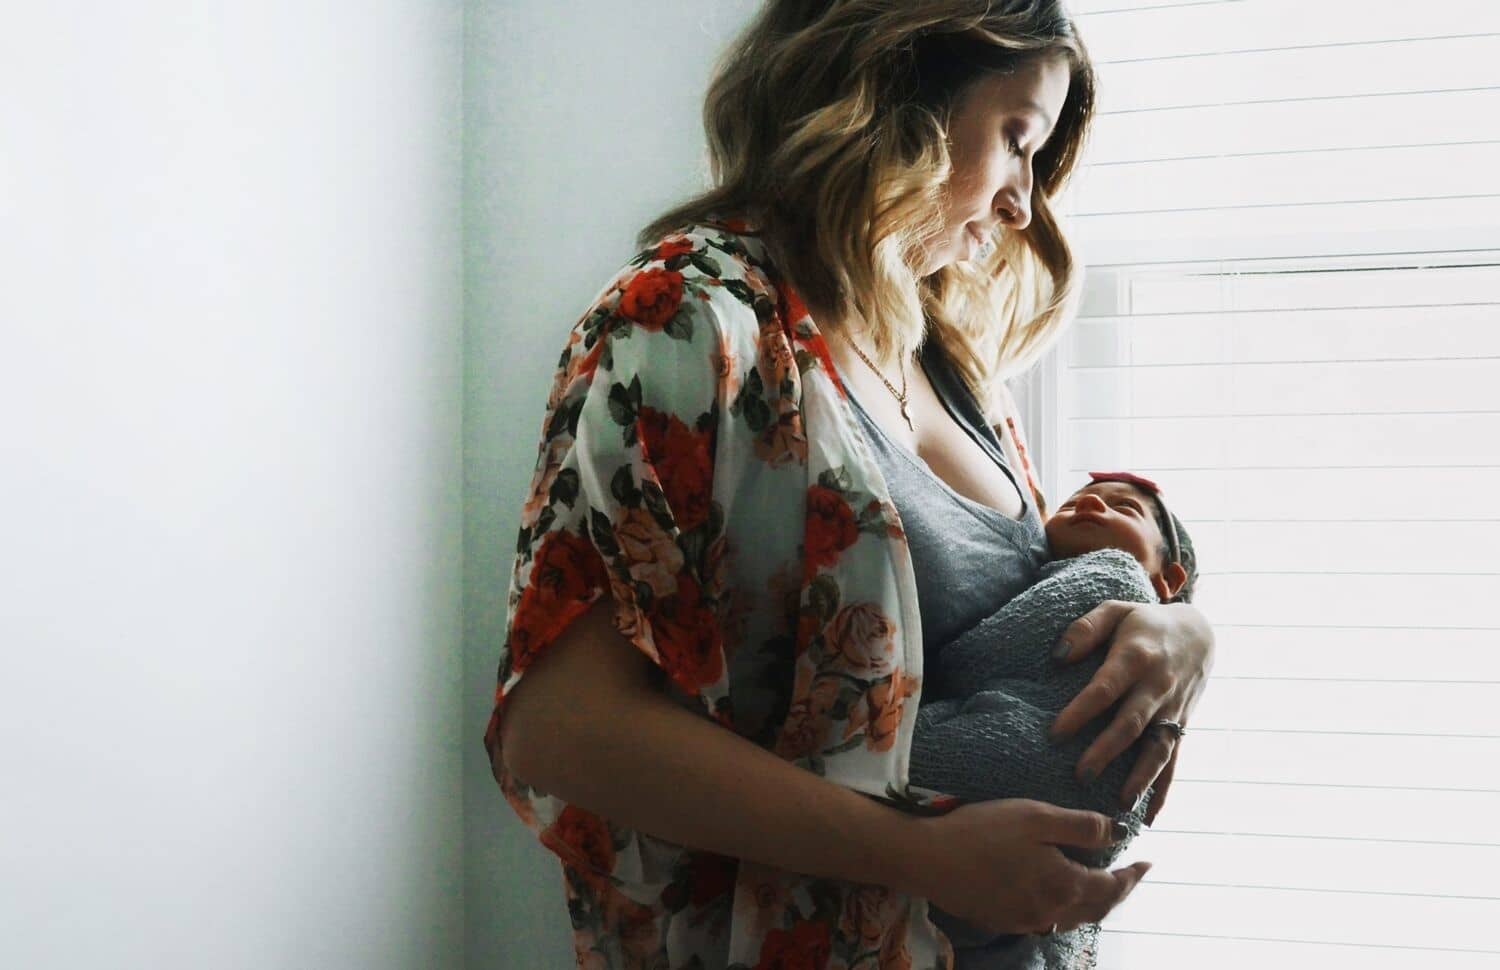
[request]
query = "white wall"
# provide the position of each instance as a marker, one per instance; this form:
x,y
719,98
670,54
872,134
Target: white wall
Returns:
x,y
582,125
230,412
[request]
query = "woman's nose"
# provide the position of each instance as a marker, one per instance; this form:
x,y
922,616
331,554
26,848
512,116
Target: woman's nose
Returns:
x,y
1013,213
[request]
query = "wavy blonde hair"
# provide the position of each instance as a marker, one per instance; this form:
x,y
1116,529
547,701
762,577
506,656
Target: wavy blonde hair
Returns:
x,y
827,125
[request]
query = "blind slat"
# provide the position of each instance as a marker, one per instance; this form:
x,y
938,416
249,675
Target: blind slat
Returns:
x,y
1321,125
1328,811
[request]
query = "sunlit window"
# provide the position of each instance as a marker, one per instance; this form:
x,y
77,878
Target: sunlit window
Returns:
x,y
1290,219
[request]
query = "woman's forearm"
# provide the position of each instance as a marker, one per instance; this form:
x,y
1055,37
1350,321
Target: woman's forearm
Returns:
x,y
614,746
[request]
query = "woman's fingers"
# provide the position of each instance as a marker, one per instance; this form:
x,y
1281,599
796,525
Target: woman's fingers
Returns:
x,y
1129,724
1084,895
1085,634
1102,891
1163,782
1090,631
1156,757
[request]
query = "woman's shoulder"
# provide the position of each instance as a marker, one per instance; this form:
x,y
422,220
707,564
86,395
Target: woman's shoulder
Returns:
x,y
723,264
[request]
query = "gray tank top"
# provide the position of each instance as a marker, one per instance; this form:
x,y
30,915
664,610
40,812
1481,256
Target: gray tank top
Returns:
x,y
970,559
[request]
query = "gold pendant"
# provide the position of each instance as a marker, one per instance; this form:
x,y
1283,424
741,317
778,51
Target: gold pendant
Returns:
x,y
907,417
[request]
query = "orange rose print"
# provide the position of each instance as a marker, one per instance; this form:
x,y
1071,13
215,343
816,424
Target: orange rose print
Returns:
x,y
880,713
726,365
862,638
626,616
807,719
893,952
652,555
775,360
867,912
782,441
651,297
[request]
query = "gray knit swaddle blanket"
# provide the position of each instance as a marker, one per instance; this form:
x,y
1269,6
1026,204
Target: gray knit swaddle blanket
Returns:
x,y
985,736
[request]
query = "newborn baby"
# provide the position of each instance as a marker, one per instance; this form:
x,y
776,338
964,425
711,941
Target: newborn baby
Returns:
x,y
997,691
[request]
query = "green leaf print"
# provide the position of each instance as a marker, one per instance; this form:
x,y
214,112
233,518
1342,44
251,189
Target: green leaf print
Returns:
x,y
750,404
823,595
836,478
575,410
620,408
603,532
680,327
693,544
705,264
656,503
565,487
625,402
741,291
622,487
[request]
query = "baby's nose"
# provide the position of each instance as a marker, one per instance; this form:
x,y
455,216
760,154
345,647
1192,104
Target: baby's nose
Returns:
x,y
1091,503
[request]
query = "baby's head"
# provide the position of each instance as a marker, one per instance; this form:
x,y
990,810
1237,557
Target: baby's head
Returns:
x,y
1118,510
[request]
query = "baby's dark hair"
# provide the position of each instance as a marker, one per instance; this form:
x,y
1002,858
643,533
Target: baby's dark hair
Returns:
x,y
1186,557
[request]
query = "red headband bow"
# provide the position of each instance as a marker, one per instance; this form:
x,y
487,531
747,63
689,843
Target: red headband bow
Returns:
x,y
1145,483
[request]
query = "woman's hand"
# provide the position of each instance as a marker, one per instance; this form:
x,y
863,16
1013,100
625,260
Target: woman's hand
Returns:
x,y
997,865
1160,655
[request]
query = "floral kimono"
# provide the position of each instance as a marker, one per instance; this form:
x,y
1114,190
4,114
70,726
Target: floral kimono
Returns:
x,y
700,464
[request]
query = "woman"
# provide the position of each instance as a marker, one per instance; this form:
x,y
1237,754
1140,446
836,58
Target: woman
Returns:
x,y
713,658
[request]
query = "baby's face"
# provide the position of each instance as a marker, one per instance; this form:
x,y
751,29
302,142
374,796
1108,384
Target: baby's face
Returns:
x,y
1107,515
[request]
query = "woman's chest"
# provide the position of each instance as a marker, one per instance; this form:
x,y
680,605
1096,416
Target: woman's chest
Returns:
x,y
934,437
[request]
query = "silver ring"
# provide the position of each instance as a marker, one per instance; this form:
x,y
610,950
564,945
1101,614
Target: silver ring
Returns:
x,y
1177,729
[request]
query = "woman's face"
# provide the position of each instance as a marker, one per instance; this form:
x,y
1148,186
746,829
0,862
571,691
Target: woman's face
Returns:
x,y
998,126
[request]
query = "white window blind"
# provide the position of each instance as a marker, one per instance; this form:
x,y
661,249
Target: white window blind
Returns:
x,y
1290,222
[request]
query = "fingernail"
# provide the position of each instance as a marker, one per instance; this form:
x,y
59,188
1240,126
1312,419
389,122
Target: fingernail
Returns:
x,y
1118,830
1060,651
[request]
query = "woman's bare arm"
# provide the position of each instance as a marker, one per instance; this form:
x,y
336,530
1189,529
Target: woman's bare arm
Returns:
x,y
586,724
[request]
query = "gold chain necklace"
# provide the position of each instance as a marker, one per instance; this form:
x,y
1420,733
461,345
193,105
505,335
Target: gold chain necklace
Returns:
x,y
900,396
